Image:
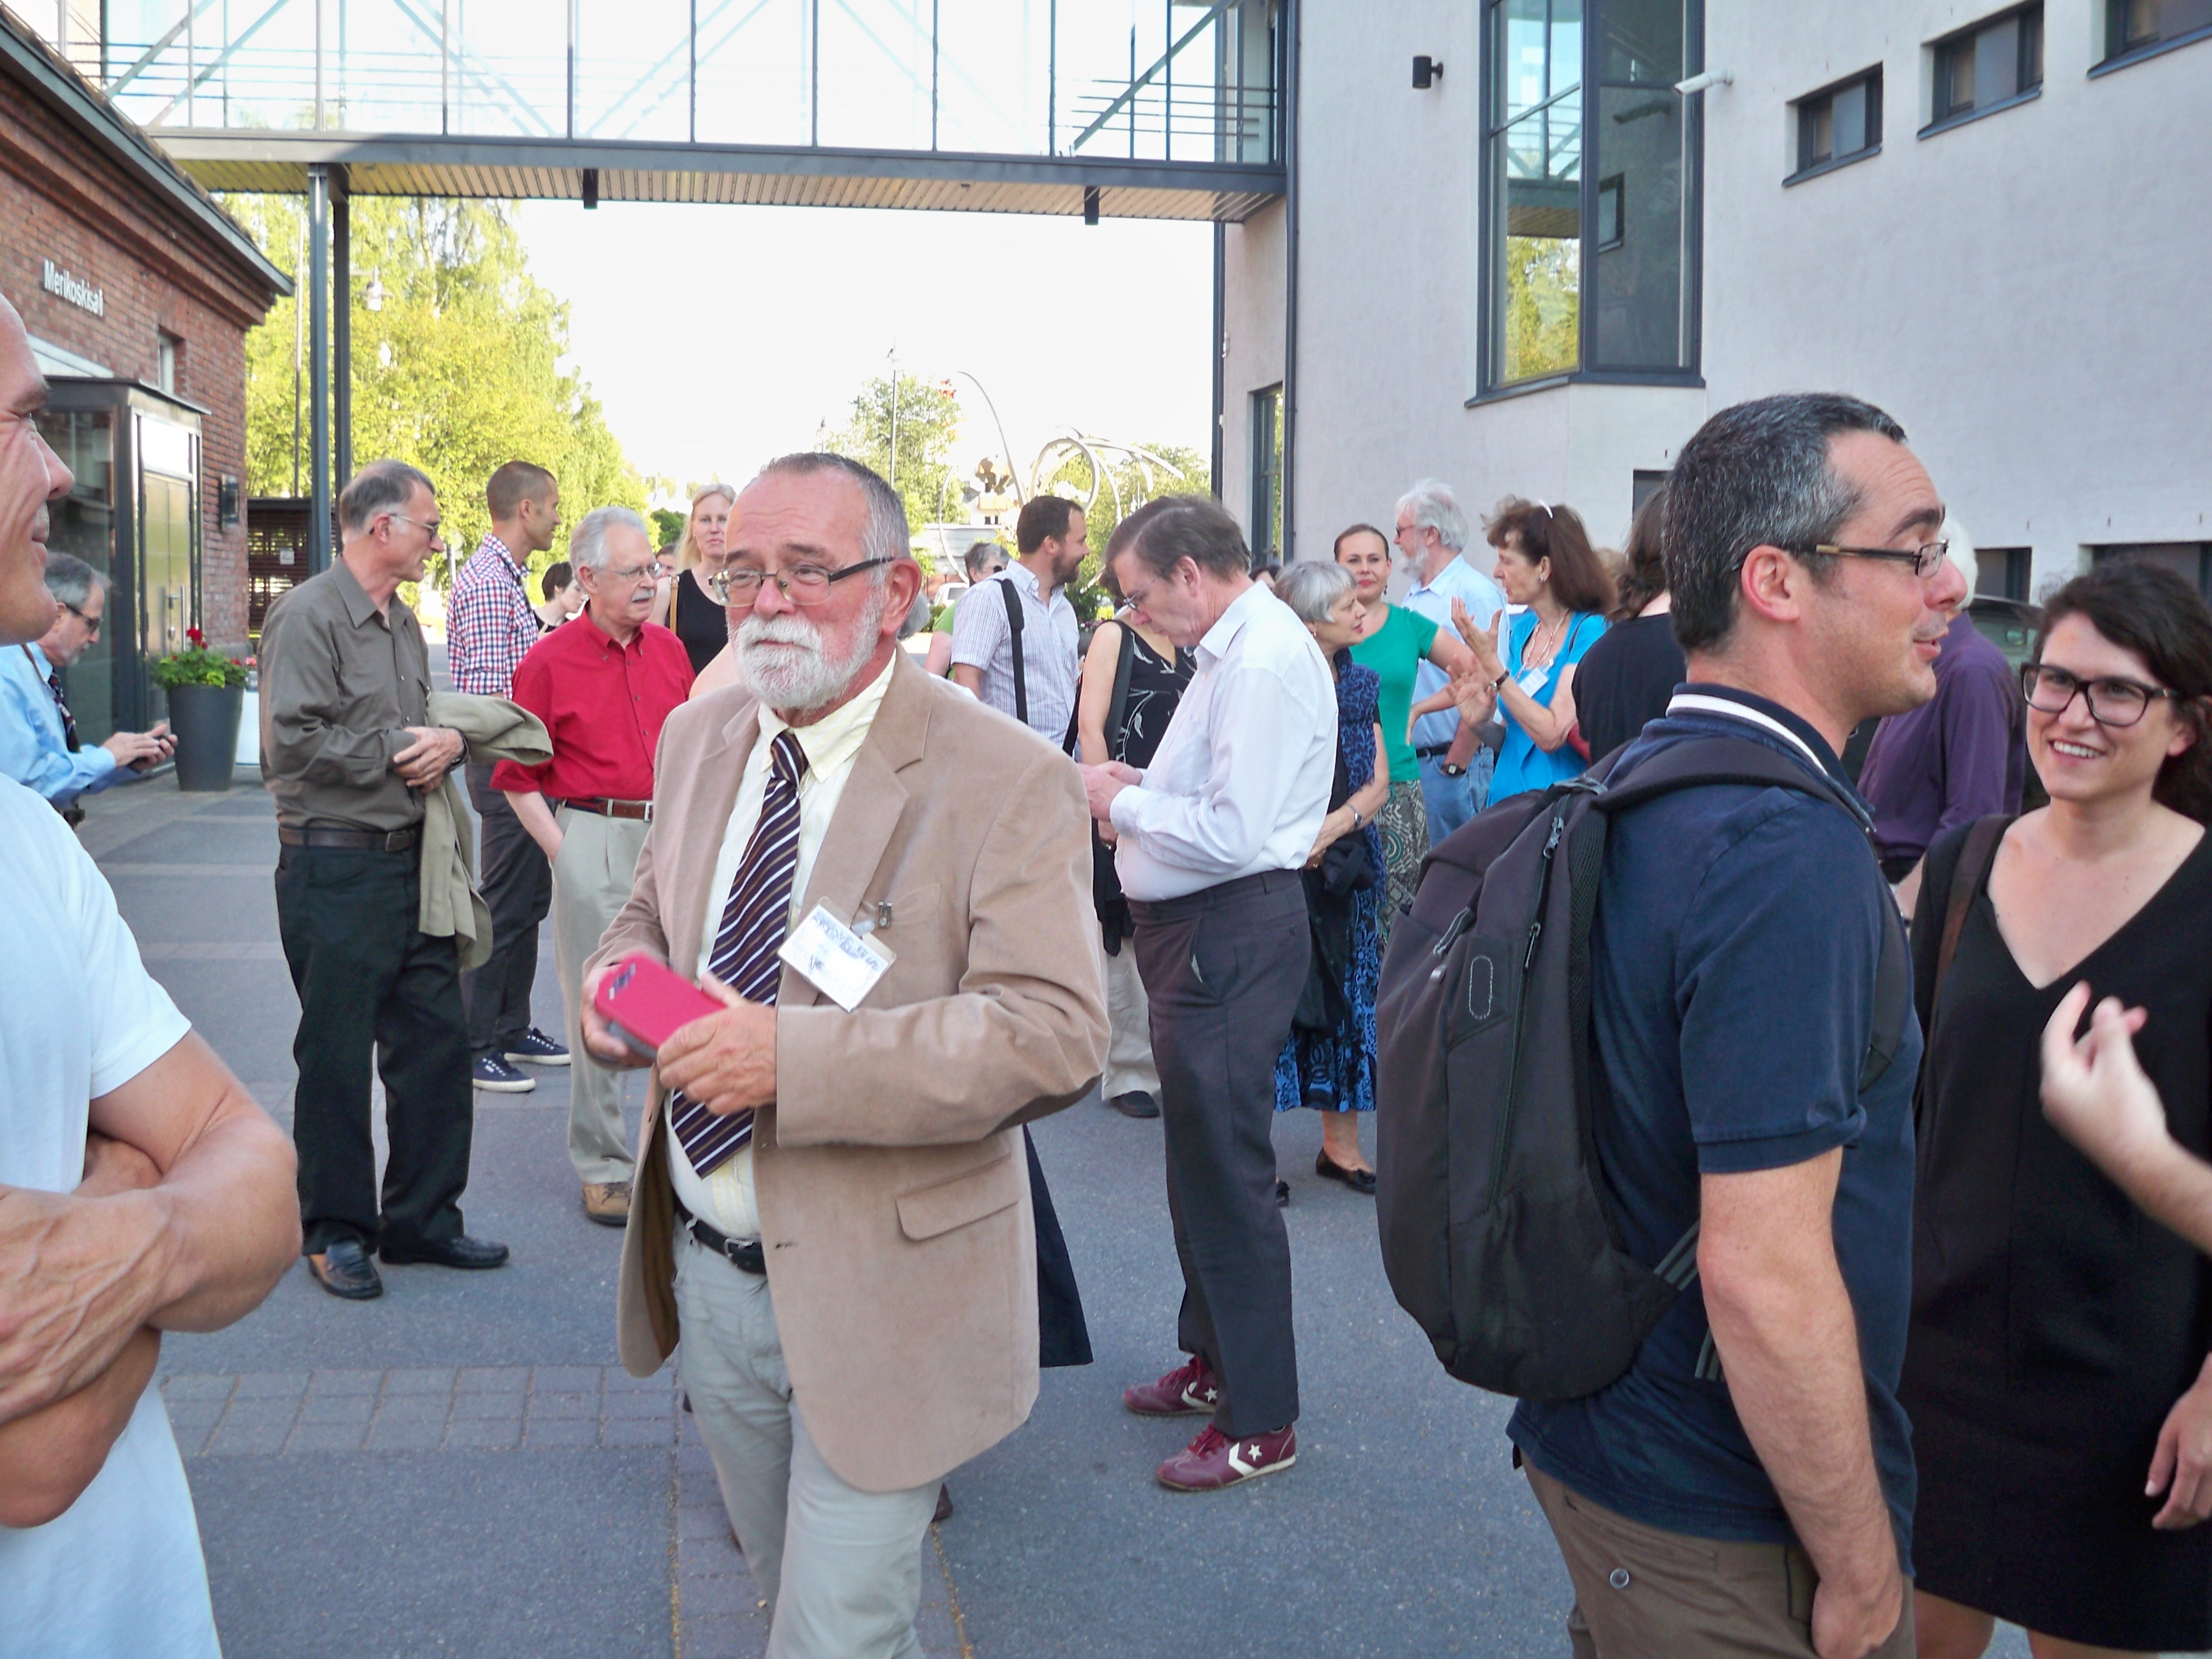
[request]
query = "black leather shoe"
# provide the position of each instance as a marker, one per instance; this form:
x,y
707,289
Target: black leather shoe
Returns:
x,y
1282,1194
343,1268
944,1505
1360,1180
1135,1103
460,1252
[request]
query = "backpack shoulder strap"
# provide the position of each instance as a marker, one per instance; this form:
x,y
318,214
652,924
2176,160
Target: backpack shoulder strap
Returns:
x,y
1967,875
1117,709
1699,762
1014,640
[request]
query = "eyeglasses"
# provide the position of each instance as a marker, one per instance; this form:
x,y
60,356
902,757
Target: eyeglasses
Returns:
x,y
436,538
1924,559
802,584
632,572
91,624
2112,701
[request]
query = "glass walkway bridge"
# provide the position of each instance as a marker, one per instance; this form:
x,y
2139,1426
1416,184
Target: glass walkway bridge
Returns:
x,y
1147,108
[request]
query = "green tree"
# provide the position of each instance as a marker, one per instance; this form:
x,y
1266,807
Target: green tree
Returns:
x,y
1116,487
928,421
1543,306
458,372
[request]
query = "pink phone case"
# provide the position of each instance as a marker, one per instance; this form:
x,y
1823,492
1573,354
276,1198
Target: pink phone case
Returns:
x,y
648,1003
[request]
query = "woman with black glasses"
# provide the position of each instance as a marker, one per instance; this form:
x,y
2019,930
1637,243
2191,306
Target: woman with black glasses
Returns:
x,y
2057,1375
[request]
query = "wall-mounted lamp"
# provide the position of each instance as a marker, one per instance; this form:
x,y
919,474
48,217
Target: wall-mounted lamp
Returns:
x,y
1091,204
591,187
1427,71
372,297
1698,83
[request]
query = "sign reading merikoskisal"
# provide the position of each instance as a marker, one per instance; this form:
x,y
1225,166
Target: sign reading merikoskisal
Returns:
x,y
74,290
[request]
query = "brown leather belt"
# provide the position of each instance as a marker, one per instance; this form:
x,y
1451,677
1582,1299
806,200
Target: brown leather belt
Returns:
x,y
375,840
612,809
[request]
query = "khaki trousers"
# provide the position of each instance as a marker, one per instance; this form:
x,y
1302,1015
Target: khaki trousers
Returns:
x,y
1129,1067
591,884
1645,1593
841,1568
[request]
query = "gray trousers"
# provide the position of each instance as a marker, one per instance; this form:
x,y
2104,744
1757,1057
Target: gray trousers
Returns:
x,y
591,883
841,1568
1129,1068
1223,969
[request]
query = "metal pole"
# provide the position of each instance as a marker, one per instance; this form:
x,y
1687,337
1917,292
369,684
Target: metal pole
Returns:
x,y
572,69
445,65
1167,70
1220,355
1051,91
1133,92
342,332
932,74
318,66
695,71
319,368
814,77
1288,101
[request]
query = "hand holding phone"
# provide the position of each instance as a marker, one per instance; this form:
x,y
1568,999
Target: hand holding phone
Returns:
x,y
646,1003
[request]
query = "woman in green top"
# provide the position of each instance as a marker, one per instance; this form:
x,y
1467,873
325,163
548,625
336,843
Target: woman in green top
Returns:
x,y
1394,642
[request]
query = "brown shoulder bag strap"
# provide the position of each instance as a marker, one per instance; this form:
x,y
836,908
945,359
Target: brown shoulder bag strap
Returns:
x,y
1975,859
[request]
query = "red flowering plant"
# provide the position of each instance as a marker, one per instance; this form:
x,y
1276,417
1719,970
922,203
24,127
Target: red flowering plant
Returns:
x,y
197,665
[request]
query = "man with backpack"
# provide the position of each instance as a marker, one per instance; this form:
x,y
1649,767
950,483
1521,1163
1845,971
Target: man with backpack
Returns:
x,y
1014,636
1693,1262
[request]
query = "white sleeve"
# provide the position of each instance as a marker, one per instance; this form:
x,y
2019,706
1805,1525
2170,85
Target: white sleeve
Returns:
x,y
979,625
131,1018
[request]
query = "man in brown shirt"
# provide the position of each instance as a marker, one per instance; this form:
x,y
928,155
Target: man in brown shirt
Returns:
x,y
348,751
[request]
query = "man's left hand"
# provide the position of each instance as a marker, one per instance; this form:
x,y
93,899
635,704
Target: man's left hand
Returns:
x,y
1102,783
436,751
725,1061
2181,1467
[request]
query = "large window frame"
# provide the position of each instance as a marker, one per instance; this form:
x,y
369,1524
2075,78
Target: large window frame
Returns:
x,y
1266,534
2126,42
1805,113
2019,30
1605,199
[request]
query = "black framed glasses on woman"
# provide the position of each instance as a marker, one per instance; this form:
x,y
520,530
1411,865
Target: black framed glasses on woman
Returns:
x,y
802,584
2113,699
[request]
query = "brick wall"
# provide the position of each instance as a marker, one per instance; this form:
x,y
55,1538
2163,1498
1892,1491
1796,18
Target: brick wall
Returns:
x,y
160,271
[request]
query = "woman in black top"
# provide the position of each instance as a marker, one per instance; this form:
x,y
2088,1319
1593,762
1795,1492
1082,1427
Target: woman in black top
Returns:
x,y
700,621
1630,672
2057,1373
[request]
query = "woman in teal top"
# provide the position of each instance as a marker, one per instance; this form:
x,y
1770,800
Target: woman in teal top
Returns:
x,y
1546,566
1395,641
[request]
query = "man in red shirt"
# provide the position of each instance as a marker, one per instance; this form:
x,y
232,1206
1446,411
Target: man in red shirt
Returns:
x,y
602,685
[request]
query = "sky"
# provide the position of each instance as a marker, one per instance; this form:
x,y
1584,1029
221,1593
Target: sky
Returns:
x,y
717,338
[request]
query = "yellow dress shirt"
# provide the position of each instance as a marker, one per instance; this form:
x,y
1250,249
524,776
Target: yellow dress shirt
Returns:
x,y
724,1200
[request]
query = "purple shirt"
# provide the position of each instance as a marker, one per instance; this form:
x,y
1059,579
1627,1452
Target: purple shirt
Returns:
x,y
1959,757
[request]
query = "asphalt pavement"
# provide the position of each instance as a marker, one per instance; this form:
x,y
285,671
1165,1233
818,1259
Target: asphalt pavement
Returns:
x,y
463,1469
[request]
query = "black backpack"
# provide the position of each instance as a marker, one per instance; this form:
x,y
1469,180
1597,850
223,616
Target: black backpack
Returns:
x,y
1498,1232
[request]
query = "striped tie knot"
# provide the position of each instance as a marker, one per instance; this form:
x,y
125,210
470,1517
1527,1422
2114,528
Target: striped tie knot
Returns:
x,y
787,760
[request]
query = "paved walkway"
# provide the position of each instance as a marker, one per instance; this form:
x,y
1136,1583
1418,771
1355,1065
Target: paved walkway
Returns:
x,y
462,1468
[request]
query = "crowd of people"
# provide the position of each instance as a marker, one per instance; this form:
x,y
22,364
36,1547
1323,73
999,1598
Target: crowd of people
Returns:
x,y
1939,1357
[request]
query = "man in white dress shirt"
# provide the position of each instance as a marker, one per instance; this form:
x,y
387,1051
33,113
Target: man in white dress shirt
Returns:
x,y
1211,837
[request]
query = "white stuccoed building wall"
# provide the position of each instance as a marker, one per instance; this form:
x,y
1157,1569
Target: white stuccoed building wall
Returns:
x,y
2030,294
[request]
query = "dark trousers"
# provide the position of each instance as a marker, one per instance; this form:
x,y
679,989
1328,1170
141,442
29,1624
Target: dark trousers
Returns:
x,y
372,986
1223,969
517,884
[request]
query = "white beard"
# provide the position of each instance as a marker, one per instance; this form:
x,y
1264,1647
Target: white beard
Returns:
x,y
806,678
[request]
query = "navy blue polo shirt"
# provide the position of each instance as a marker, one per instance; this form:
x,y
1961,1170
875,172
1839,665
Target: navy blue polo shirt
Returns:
x,y
1733,961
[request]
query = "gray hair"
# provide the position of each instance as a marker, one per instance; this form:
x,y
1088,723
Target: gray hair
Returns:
x,y
70,580
1163,533
1756,474
885,535
1434,508
379,488
588,542
1313,588
918,614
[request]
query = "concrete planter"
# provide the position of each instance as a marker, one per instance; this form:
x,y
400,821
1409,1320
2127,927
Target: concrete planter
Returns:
x,y
205,719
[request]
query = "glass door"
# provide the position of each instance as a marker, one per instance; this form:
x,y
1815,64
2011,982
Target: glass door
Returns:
x,y
168,591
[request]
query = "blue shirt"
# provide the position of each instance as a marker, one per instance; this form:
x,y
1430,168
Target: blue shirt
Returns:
x,y
1483,599
1733,966
1522,766
33,750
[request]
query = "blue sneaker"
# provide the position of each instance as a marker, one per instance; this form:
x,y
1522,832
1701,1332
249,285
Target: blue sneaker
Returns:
x,y
534,1047
494,1075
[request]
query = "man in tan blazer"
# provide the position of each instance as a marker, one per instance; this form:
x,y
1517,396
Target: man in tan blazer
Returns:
x,y
832,1207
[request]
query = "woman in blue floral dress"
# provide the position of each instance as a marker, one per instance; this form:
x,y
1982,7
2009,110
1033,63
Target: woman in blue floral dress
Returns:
x,y
1329,1062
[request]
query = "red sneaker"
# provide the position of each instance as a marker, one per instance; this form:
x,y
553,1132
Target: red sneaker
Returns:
x,y
1213,1461
1189,1390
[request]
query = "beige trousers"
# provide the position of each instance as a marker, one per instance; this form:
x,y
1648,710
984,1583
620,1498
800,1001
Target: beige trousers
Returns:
x,y
591,884
1129,1067
841,1568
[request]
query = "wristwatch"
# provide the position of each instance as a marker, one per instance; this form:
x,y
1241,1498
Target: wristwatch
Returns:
x,y
1357,823
1503,675
1449,770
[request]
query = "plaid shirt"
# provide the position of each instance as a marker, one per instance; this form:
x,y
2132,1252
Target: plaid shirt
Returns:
x,y
489,624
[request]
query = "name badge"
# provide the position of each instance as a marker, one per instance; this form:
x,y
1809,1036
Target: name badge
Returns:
x,y
837,961
1533,681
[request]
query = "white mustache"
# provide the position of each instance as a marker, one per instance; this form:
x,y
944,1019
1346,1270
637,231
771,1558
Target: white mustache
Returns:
x,y
778,630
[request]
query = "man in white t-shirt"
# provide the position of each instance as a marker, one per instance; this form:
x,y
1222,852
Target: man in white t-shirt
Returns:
x,y
141,1190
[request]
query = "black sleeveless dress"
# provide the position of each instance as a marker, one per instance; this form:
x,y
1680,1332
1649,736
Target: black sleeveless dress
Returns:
x,y
2054,1324
703,625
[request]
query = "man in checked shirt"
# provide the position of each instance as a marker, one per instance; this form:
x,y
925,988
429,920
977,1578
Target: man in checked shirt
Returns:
x,y
489,627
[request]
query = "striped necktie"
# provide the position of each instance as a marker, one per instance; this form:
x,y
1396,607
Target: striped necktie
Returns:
x,y
754,922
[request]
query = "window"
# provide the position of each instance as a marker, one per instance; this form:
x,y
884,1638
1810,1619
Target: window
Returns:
x,y
2136,28
1591,230
1642,487
1994,63
1267,518
2002,572
2190,561
1839,124
168,349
